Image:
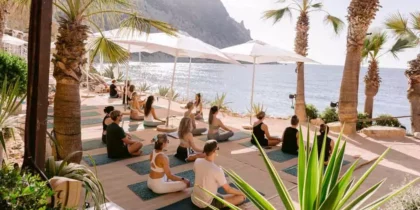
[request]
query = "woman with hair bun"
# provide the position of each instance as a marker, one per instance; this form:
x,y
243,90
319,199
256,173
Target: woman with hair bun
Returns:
x,y
107,120
161,180
261,133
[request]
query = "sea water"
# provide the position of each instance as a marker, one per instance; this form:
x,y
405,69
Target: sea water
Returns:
x,y
273,84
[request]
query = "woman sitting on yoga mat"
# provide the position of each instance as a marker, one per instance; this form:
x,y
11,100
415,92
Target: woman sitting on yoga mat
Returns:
x,y
130,92
161,180
187,150
195,131
198,107
214,125
260,131
107,120
136,107
150,119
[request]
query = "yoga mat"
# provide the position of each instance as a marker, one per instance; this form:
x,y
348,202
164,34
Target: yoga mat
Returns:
x,y
89,114
246,144
293,169
280,156
93,144
174,135
101,159
143,167
186,203
141,189
236,136
83,108
138,127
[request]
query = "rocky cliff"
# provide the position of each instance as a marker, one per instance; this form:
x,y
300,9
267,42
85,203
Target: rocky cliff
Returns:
x,y
206,20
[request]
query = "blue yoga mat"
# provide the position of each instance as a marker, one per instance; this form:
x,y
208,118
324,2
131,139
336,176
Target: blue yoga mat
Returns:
x,y
236,136
293,169
143,167
93,144
280,156
186,203
141,189
101,159
90,121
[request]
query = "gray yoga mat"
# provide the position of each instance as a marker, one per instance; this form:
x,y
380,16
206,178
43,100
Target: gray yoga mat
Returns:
x,y
280,156
93,144
83,122
89,114
292,170
143,167
236,136
186,203
141,189
101,159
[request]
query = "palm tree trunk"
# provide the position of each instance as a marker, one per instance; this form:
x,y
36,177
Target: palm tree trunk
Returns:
x,y
68,62
301,47
372,82
360,15
3,15
413,92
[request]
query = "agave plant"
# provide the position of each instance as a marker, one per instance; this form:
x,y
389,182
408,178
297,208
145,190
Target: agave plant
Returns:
x,y
163,91
109,72
256,108
220,101
317,188
91,183
144,87
10,99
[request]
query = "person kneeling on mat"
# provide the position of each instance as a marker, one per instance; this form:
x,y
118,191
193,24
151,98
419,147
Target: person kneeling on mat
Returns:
x,y
161,180
210,177
118,143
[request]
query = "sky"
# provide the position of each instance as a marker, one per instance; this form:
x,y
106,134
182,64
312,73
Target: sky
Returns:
x,y
324,45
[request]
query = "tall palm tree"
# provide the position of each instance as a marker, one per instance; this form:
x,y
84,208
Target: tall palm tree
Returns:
x,y
304,8
409,28
373,49
360,15
75,18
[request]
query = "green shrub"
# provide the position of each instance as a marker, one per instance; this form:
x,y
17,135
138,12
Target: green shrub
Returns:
x,y
14,68
329,115
361,125
220,101
318,186
144,87
311,112
22,190
391,122
256,108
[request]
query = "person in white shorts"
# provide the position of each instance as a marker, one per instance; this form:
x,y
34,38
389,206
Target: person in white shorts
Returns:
x,y
210,177
161,180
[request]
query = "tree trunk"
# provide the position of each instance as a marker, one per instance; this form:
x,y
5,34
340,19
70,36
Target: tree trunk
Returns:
x,y
372,83
3,16
413,92
68,63
301,48
360,15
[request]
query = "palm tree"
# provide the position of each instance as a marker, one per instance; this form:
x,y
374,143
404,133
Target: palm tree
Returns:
x,y
409,28
304,8
372,51
360,15
75,18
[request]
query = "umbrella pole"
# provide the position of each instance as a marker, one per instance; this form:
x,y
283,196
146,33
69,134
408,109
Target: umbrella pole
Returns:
x,y
140,68
252,92
171,90
188,82
127,66
88,70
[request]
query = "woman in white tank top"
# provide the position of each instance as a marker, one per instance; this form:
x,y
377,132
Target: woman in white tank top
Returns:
x,y
150,118
161,180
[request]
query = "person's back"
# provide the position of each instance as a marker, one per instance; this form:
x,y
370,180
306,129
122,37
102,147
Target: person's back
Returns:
x,y
209,176
113,89
114,144
290,137
328,144
259,135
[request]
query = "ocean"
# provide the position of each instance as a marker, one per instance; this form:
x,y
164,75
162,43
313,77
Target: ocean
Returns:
x,y
273,84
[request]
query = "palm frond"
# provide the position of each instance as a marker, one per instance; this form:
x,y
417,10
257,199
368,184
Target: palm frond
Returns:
x,y
136,22
335,22
110,51
277,15
317,5
415,20
398,24
400,45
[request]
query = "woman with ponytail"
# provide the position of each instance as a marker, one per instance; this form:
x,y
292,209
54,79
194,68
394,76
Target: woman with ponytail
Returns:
x,y
215,124
161,180
150,118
